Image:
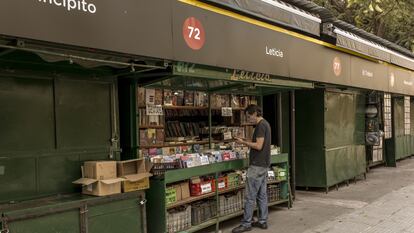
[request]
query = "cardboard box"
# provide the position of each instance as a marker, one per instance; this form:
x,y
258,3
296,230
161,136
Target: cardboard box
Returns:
x,y
135,173
185,190
100,187
178,192
141,184
99,170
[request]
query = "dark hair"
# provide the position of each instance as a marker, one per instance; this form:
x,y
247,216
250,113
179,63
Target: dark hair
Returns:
x,y
251,109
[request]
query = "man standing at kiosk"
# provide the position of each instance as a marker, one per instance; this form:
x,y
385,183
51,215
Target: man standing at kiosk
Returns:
x,y
259,163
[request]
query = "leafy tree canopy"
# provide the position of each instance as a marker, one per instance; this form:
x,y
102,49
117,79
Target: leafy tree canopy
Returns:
x,y
392,20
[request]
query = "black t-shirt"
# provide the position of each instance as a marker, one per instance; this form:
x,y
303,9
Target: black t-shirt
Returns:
x,y
261,158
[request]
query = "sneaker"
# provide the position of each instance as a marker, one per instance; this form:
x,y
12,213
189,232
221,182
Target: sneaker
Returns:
x,y
241,229
259,225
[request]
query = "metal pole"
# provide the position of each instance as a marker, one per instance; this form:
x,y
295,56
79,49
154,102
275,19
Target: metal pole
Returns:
x,y
279,120
209,120
293,142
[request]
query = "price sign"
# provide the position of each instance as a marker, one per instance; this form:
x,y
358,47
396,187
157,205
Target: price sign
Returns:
x,y
221,185
206,188
193,33
204,160
154,110
226,112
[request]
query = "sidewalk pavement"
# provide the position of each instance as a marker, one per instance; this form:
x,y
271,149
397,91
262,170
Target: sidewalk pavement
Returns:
x,y
383,203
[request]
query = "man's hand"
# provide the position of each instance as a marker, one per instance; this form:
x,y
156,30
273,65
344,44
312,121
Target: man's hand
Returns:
x,y
239,140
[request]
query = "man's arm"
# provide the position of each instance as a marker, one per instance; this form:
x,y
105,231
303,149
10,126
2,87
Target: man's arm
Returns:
x,y
258,145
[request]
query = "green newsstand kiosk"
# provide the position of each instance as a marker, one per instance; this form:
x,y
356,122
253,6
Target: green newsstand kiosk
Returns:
x,y
271,92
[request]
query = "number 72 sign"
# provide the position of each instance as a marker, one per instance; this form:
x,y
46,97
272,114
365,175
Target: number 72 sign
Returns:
x,y
193,33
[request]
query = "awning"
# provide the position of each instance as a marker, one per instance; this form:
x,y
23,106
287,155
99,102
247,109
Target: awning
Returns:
x,y
358,44
355,43
186,76
275,11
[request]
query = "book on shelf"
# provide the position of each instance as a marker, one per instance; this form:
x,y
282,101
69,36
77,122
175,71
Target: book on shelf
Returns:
x,y
158,97
215,100
183,129
186,113
244,101
160,136
200,99
189,98
178,98
145,120
235,101
168,97
143,140
152,136
141,96
150,96
147,137
225,101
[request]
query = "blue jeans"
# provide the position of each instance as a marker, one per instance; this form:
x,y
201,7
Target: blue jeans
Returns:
x,y
256,192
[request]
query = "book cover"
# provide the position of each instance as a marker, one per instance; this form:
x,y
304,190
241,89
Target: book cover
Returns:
x,y
159,136
153,151
154,120
225,101
150,97
143,140
141,96
235,101
215,101
189,98
244,101
180,98
200,99
158,97
151,135
168,98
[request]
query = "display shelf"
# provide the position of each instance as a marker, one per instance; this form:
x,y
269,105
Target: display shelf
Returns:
x,y
184,107
185,144
227,190
226,217
159,184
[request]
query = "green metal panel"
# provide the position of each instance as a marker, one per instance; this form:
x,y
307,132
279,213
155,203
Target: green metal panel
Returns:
x,y
58,180
17,178
116,213
156,206
330,134
128,118
345,163
344,119
285,147
122,216
310,162
26,116
67,222
81,126
83,111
